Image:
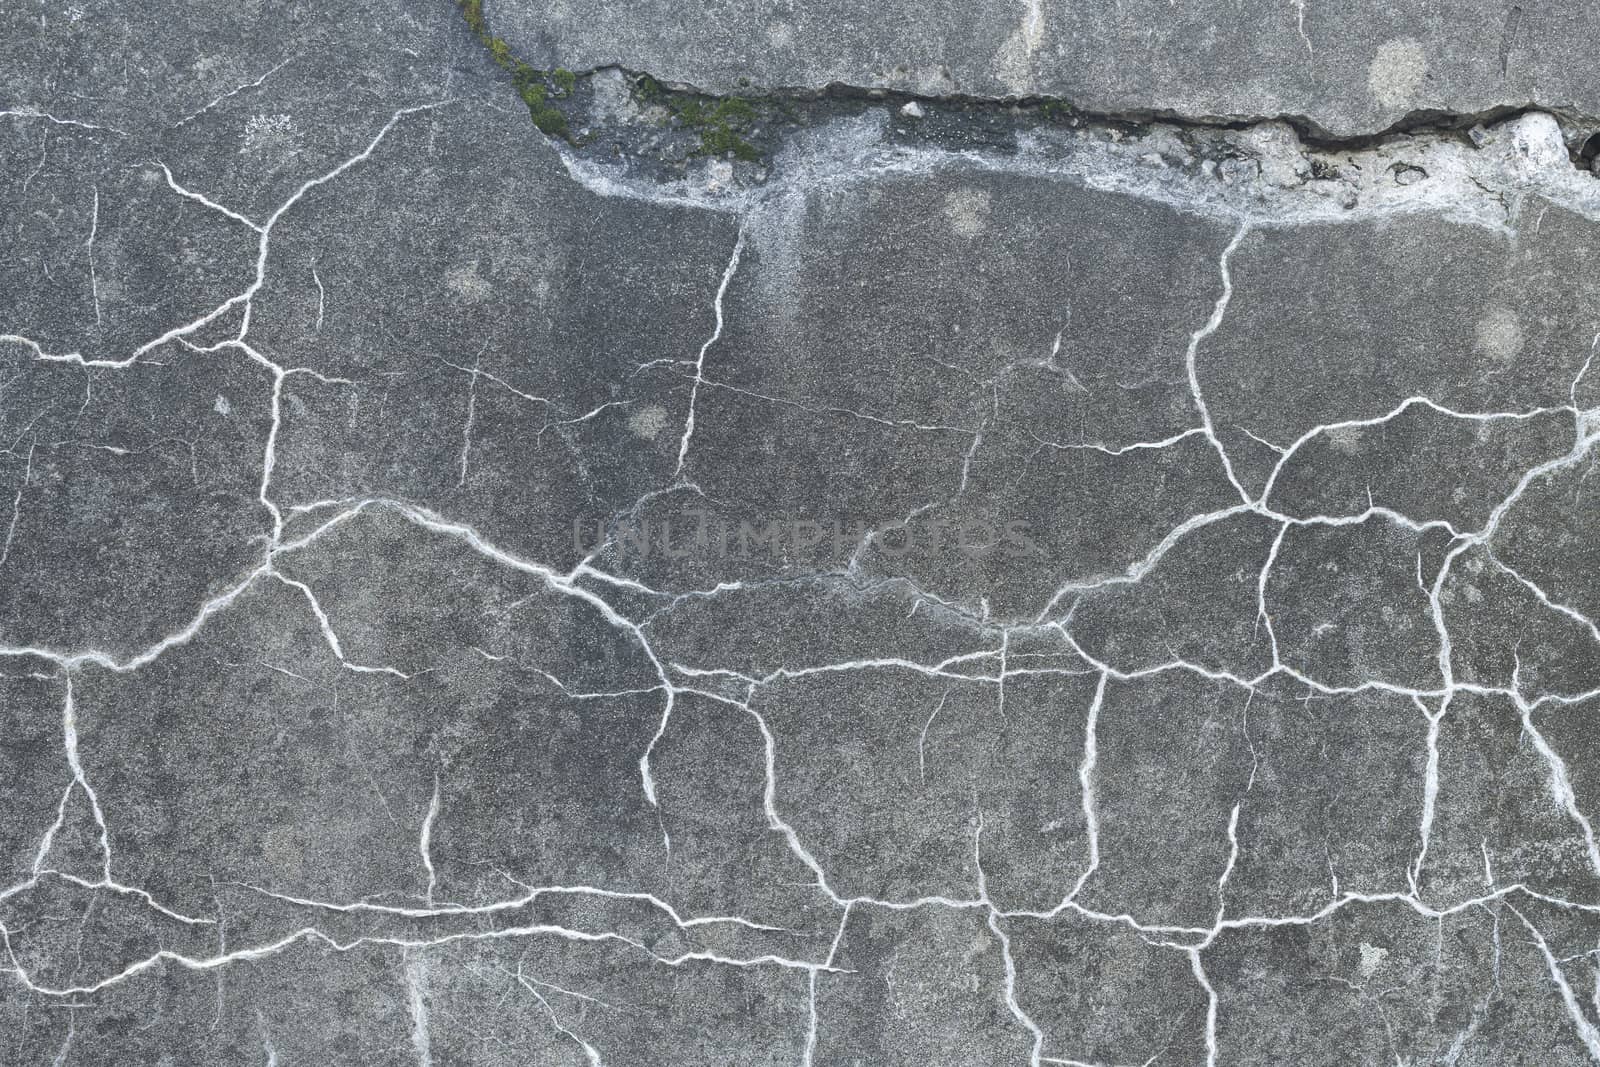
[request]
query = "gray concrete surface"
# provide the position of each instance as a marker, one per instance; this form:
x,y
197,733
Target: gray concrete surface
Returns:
x,y
1350,68
857,580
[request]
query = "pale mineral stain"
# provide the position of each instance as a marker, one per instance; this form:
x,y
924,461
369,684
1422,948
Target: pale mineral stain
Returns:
x,y
1397,71
465,281
648,422
1014,61
967,211
1346,438
269,135
1498,335
780,35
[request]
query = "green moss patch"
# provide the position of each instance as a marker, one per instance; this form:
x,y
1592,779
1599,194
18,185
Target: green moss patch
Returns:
x,y
536,87
721,123
724,124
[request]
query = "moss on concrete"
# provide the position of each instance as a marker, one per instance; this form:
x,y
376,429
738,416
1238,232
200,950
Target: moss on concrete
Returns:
x,y
533,85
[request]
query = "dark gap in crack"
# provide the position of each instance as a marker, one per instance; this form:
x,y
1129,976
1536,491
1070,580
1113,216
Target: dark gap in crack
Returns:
x,y
674,124
1587,156
1414,122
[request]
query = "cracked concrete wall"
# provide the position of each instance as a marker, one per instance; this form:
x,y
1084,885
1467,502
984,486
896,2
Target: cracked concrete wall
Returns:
x,y
1350,67
956,569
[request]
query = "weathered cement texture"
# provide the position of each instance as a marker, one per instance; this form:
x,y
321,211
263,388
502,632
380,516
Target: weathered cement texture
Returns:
x,y
1347,66
961,585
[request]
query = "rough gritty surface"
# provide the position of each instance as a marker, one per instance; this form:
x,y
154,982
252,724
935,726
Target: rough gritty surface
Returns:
x,y
968,587
1349,66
